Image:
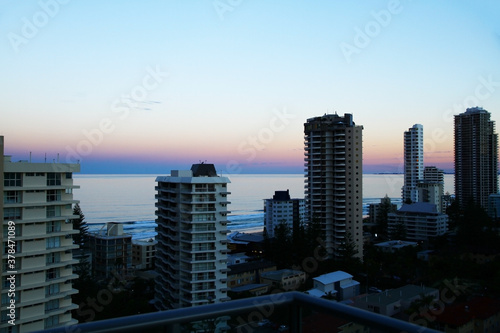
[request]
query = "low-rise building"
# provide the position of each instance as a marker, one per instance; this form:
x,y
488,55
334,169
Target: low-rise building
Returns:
x,y
248,273
284,279
421,221
337,285
250,243
237,258
394,301
143,253
111,251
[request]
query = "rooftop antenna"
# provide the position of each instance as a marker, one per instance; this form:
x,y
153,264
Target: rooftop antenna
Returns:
x,y
30,157
57,157
45,157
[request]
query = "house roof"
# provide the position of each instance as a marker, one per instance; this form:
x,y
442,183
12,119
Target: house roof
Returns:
x,y
319,293
395,295
332,277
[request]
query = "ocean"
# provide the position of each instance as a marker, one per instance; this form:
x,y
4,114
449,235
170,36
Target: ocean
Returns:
x,y
130,199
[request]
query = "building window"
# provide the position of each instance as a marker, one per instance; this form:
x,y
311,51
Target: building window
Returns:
x,y
53,242
52,273
53,258
53,179
69,175
52,305
53,211
11,197
12,213
12,179
53,226
52,321
53,195
52,289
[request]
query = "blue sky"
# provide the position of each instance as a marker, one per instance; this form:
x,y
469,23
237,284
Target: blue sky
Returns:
x,y
150,86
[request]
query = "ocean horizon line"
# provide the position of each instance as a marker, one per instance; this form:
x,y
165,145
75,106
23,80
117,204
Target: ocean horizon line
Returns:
x,y
235,174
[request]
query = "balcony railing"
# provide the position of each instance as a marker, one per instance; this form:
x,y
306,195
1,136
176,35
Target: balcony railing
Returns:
x,y
260,307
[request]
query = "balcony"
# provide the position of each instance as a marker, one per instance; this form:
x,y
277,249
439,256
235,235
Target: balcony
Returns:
x,y
246,313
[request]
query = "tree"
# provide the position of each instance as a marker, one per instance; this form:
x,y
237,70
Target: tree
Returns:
x,y
385,207
83,268
82,237
348,248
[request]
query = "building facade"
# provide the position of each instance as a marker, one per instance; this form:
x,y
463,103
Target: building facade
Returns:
x,y
283,209
111,252
36,211
420,220
476,157
337,285
414,162
143,253
334,179
191,254
431,188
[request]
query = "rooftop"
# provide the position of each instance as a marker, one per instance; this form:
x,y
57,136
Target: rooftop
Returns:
x,y
394,295
333,277
419,207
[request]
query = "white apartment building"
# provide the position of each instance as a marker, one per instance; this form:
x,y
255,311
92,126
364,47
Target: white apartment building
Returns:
x,y
421,220
283,209
334,179
191,254
339,285
414,162
36,209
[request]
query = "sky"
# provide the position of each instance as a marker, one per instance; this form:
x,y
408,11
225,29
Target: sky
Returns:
x,y
152,86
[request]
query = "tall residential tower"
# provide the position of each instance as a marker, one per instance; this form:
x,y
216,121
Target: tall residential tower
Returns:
x,y
191,254
334,179
476,157
37,244
414,162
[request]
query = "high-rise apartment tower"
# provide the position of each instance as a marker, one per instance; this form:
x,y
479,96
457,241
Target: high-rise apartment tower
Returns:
x,y
414,162
37,244
191,254
476,157
334,179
